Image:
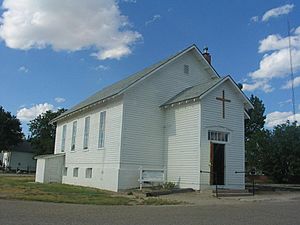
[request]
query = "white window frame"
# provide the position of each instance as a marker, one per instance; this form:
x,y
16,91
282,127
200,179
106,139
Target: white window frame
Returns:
x,y
63,138
75,171
88,172
101,137
74,133
87,122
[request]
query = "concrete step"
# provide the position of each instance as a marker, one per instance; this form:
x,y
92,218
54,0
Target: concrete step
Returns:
x,y
167,192
231,191
234,194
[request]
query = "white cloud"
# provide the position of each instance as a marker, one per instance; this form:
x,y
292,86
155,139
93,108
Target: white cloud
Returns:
x,y
276,62
23,69
275,118
288,84
60,99
27,114
254,19
67,25
101,67
275,12
276,42
258,84
153,19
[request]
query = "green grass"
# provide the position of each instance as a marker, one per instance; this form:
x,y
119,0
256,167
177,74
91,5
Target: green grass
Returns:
x,y
24,188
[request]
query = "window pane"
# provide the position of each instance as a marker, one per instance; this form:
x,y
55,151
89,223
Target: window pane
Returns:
x,y
88,173
86,132
75,172
222,136
218,136
65,172
101,129
186,69
63,138
74,131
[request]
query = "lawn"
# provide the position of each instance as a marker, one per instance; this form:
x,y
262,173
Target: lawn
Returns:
x,y
24,188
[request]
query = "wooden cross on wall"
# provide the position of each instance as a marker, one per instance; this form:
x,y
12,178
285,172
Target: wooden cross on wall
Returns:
x,y
223,99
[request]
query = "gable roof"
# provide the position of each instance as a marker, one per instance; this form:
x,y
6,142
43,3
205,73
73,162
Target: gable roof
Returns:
x,y
121,86
192,92
201,90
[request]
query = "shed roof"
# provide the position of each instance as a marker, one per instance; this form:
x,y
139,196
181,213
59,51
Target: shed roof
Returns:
x,y
49,156
24,146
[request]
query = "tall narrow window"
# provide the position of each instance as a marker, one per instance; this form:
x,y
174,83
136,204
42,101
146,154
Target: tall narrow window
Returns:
x,y
86,133
102,129
63,138
74,131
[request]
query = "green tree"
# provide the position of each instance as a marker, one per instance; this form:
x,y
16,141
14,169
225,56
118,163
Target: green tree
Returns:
x,y
10,130
282,160
258,150
42,132
255,134
257,117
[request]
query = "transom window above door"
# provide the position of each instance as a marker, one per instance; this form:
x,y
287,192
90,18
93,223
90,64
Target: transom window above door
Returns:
x,y
218,136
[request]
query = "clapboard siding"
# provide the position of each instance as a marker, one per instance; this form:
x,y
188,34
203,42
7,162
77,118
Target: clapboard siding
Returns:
x,y
211,119
142,140
140,133
104,160
143,132
182,139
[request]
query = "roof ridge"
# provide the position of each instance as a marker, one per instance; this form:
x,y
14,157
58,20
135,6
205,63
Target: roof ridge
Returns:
x,y
181,95
120,86
94,98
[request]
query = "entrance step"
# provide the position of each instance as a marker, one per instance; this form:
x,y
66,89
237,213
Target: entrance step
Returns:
x,y
167,192
232,193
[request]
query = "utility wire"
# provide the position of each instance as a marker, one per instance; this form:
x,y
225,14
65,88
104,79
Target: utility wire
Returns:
x,y
292,71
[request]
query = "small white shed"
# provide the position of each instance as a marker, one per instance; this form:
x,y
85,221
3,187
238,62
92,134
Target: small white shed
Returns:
x,y
49,168
19,157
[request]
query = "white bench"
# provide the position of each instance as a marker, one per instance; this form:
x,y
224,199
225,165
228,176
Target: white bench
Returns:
x,y
151,175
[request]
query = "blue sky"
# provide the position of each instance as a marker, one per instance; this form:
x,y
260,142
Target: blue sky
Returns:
x,y
55,54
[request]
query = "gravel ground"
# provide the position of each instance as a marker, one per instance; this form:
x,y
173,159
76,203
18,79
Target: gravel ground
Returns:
x,y
266,211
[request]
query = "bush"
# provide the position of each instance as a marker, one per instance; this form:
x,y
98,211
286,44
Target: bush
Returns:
x,y
168,185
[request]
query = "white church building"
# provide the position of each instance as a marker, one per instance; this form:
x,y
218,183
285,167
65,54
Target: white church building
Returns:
x,y
177,115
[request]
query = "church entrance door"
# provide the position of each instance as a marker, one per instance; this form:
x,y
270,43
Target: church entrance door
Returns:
x,y
217,163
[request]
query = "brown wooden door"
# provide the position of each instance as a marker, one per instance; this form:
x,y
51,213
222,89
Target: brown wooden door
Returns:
x,y
217,159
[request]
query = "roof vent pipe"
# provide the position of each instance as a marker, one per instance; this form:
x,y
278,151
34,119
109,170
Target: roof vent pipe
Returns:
x,y
206,55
